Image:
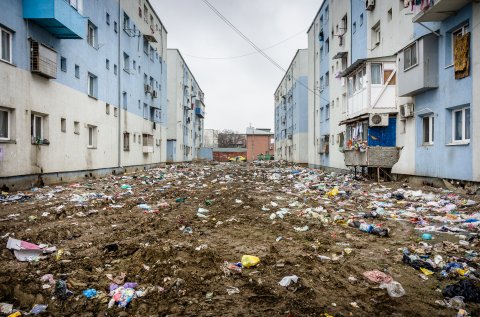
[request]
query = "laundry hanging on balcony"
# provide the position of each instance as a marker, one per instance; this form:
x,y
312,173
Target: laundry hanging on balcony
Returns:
x,y
423,4
462,56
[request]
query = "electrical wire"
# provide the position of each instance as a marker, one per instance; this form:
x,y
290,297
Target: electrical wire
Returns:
x,y
247,54
243,36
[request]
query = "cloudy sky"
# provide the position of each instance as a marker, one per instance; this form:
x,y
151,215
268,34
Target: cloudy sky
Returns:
x,y
238,91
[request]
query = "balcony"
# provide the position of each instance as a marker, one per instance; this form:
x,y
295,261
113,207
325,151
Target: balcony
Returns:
x,y
199,109
58,17
441,10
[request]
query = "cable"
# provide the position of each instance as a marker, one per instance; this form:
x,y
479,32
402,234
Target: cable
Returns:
x,y
247,54
243,36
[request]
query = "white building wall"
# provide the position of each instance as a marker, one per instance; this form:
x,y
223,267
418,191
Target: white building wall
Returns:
x,y
475,113
179,119
337,85
25,94
313,98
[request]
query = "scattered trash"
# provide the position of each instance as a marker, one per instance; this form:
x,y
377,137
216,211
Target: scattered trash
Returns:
x,y
249,261
38,309
301,229
467,288
26,251
394,289
377,277
89,293
232,290
287,280
6,308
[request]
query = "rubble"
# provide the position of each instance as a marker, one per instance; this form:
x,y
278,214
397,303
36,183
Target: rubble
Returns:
x,y
147,244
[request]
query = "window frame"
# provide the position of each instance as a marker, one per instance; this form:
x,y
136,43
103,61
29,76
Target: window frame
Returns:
x,y
92,37
92,137
463,139
63,64
461,30
9,119
10,42
34,126
126,145
92,88
431,130
411,48
381,73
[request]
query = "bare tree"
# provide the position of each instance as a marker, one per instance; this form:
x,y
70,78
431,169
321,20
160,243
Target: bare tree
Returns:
x,y
231,139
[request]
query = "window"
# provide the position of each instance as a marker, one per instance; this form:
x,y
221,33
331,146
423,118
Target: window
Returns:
x,y
327,112
126,22
376,35
327,79
458,33
92,85
36,128
6,45
107,108
322,84
77,71
152,54
344,24
327,46
410,56
134,65
5,118
145,111
115,70
321,53
76,127
145,45
376,69
354,27
63,125
92,34
361,19
428,129
107,63
115,26
92,137
126,62
389,14
107,18
124,99
326,14
461,125
126,141
145,13
63,64
115,111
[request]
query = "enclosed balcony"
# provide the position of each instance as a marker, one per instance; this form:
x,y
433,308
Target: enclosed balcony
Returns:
x,y
199,109
58,17
440,10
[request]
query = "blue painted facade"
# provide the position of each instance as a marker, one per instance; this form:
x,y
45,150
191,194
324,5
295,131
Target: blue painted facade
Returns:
x,y
101,60
358,27
451,161
383,136
325,76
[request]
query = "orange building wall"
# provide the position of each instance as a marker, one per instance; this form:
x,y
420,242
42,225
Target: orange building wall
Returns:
x,y
258,144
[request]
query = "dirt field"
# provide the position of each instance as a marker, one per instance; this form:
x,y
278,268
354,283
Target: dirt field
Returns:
x,y
183,272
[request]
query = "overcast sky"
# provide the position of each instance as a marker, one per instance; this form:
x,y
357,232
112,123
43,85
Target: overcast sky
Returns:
x,y
238,91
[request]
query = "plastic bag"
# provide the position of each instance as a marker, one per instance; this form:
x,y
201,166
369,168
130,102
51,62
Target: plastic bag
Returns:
x,y
249,261
287,280
333,192
394,289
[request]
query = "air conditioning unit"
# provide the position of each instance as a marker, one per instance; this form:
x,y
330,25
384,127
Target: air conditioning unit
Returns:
x,y
155,94
148,89
378,120
406,110
369,5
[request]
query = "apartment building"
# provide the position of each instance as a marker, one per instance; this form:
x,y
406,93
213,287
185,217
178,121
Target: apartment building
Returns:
x,y
401,91
186,111
83,88
438,69
291,111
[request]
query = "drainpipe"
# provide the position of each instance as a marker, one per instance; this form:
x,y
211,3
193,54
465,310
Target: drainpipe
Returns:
x,y
119,87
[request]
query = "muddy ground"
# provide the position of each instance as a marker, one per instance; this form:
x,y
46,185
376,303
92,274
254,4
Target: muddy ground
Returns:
x,y
101,235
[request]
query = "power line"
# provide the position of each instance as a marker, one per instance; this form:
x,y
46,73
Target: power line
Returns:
x,y
243,36
247,54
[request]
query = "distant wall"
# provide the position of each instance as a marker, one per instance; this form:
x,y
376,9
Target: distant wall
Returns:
x,y
205,154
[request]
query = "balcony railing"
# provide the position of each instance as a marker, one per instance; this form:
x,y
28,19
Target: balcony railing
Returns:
x,y
58,17
440,10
